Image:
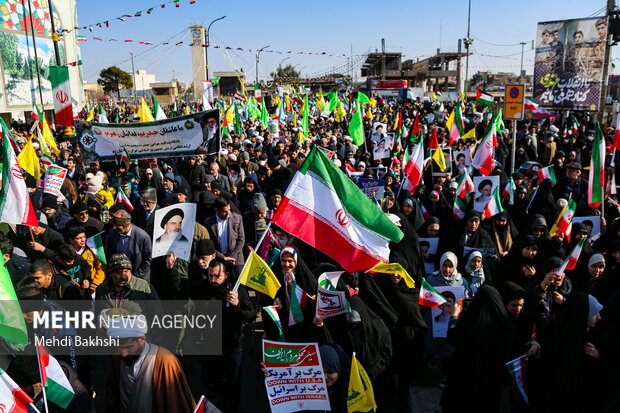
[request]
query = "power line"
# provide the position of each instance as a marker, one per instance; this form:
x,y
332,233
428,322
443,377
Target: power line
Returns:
x,y
498,45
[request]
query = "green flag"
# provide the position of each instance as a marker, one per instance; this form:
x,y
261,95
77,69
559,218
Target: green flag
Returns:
x,y
356,127
304,121
362,97
215,81
334,101
264,116
12,324
237,120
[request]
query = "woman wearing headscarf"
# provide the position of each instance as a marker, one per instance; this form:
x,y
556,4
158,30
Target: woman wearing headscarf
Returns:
x,y
569,359
447,275
412,213
431,228
544,201
244,196
548,246
503,233
548,290
587,272
437,206
98,192
482,339
337,369
291,271
519,265
609,282
467,233
474,271
518,211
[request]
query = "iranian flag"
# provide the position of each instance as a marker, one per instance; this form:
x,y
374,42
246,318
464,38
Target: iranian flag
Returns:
x,y
121,198
617,134
517,370
547,173
571,261
61,93
12,398
483,98
415,165
58,390
325,209
425,213
483,158
240,96
530,104
458,210
564,222
466,185
298,299
455,124
430,297
15,205
157,110
494,205
541,112
101,116
95,243
509,192
596,180
204,405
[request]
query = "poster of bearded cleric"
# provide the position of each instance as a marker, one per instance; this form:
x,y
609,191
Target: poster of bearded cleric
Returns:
x,y
197,133
568,70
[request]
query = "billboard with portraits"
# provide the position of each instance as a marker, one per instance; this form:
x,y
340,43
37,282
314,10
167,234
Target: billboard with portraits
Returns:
x,y
568,69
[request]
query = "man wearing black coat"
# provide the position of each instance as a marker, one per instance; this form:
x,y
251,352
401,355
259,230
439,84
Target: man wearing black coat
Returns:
x,y
126,238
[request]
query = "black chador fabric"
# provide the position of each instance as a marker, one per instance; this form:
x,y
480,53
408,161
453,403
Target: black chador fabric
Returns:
x,y
482,341
407,252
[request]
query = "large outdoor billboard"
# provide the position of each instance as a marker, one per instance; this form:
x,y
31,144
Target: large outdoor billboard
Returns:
x,y
568,70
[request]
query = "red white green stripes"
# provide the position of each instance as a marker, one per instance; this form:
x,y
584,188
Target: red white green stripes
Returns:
x,y
516,368
509,192
596,180
466,185
530,104
325,209
494,205
564,222
12,398
430,297
571,261
547,173
483,158
58,390
414,166
484,98
61,92
458,210
297,303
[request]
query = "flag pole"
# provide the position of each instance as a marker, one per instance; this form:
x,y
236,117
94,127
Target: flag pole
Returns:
x,y
42,384
198,404
260,241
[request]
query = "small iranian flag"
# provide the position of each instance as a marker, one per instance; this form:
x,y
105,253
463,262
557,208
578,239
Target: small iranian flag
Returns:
x,y
12,398
101,116
575,126
423,210
157,110
414,166
272,312
240,96
547,173
95,243
596,180
494,205
466,185
564,222
58,390
530,104
125,158
516,368
121,198
458,210
509,192
617,135
455,124
571,261
484,98
298,298
430,297
483,158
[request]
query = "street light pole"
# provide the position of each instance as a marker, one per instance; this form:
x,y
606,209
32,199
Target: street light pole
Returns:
x,y
207,44
282,61
133,74
257,60
468,41
521,70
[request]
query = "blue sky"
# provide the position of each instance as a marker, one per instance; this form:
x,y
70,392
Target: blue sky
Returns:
x,y
415,28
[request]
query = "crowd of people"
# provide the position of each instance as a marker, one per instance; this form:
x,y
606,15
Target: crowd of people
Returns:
x,y
513,303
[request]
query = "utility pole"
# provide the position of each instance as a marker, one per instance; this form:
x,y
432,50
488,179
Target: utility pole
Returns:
x,y
207,35
468,41
611,4
258,59
521,70
36,57
133,74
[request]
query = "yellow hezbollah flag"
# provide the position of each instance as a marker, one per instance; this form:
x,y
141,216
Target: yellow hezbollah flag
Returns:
x,y
394,268
186,110
144,113
91,115
449,122
29,160
48,136
360,396
258,276
440,159
369,114
469,135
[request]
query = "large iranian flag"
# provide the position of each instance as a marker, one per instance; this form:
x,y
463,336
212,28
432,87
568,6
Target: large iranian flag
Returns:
x,y
12,398
61,92
325,209
15,205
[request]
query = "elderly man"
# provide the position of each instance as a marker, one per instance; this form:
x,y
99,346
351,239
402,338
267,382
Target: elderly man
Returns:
x,y
128,239
144,378
172,239
214,170
144,216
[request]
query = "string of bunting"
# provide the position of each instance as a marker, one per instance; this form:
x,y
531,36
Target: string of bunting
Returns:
x,y
124,17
